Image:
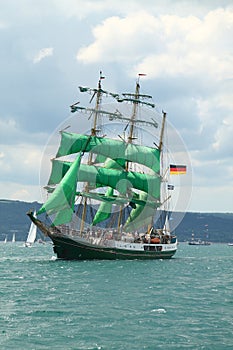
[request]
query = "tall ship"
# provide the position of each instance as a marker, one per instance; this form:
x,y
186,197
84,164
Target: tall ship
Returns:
x,y
109,191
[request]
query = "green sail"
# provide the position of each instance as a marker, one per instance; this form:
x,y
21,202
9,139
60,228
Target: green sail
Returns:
x,y
142,215
59,169
105,209
61,201
115,178
115,164
118,200
120,179
114,149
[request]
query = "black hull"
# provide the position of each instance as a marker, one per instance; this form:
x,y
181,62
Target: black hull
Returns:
x,y
69,249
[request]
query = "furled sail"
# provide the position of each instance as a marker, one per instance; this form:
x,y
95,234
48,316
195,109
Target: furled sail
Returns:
x,y
114,149
61,201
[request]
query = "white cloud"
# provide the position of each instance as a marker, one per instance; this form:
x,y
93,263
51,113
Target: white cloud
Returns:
x,y
216,123
120,39
166,45
21,163
45,52
223,137
2,155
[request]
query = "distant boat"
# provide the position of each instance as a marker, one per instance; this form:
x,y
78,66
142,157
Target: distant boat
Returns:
x,y
5,240
198,241
230,244
31,234
13,238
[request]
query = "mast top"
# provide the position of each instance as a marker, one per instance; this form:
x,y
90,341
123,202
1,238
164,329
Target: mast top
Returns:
x,y
100,78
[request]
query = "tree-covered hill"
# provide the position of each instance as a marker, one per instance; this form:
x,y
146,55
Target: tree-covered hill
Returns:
x,y
218,226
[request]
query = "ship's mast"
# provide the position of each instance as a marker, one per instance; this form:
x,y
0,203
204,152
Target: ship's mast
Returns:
x,y
97,105
131,136
162,131
135,105
98,93
165,199
161,160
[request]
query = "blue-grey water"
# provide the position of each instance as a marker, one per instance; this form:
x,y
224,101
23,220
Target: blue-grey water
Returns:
x,y
182,303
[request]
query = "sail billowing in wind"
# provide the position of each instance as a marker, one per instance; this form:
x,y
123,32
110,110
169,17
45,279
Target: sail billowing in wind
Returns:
x,y
105,209
61,201
115,178
111,148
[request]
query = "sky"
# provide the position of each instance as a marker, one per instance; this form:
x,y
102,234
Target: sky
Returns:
x,y
50,47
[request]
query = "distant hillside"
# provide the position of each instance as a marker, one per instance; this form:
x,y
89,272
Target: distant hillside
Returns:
x,y
13,219
218,227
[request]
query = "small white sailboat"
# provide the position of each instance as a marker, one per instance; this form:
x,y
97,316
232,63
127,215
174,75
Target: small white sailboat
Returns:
x,y
13,238
31,235
5,240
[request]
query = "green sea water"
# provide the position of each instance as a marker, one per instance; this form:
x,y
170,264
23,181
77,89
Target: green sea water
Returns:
x,y
182,303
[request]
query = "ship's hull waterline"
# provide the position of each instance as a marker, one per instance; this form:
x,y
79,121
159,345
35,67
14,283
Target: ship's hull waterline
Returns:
x,y
71,249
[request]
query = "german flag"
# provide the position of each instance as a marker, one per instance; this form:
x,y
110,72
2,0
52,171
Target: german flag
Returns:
x,y
177,169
